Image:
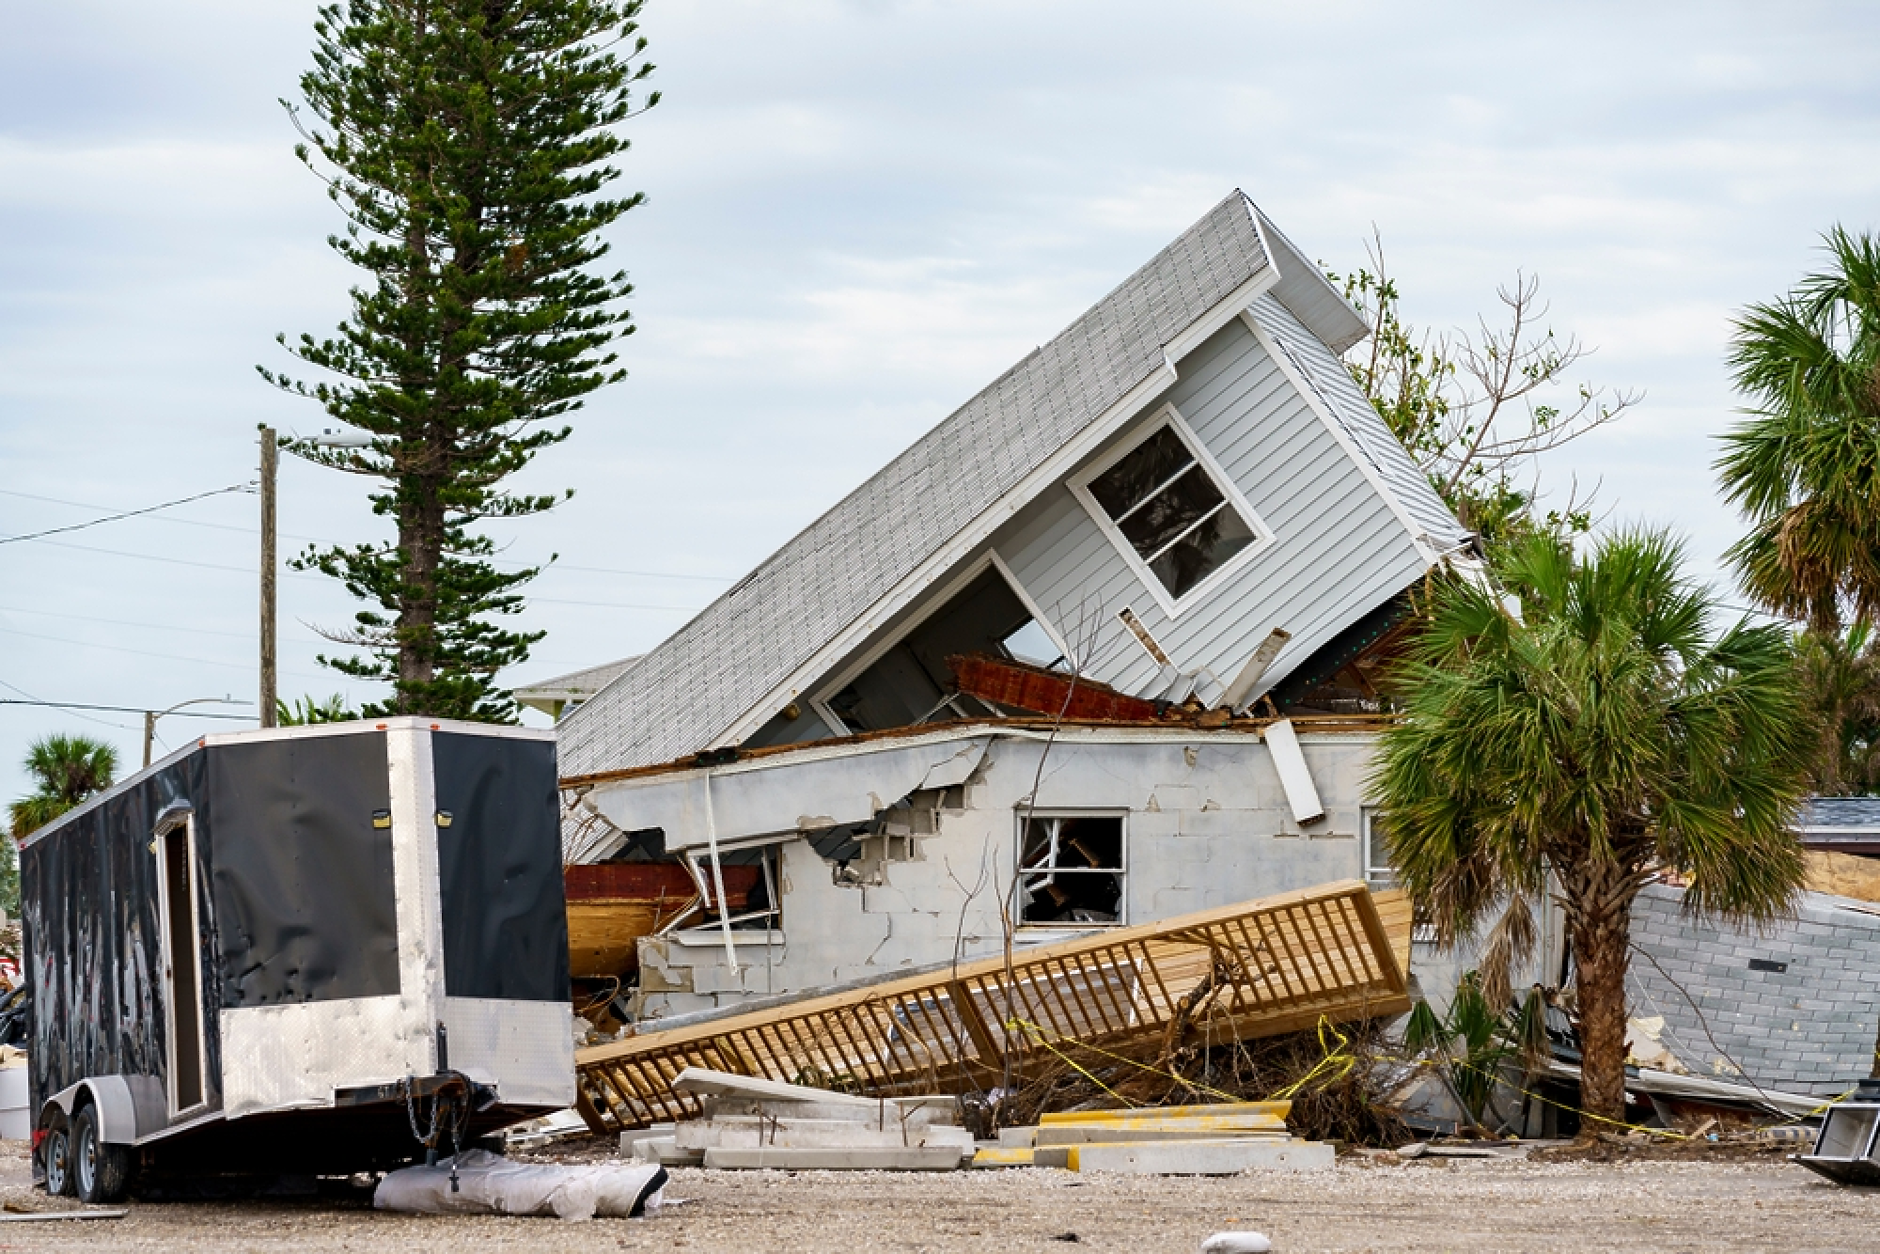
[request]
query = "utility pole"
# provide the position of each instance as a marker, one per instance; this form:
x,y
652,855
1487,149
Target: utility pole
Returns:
x,y
270,450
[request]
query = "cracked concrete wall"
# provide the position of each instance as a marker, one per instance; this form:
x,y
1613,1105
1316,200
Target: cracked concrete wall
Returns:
x,y
1207,824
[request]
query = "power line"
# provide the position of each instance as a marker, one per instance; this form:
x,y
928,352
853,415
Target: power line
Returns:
x,y
88,718
121,709
129,513
192,522
249,570
161,657
121,622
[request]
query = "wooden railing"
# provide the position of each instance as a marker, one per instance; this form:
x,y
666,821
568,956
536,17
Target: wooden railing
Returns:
x,y
1279,964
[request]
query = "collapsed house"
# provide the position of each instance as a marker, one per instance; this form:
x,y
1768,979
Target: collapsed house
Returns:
x,y
1096,651
1793,1006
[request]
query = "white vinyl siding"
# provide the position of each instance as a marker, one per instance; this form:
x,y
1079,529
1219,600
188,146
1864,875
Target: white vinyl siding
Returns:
x,y
1338,548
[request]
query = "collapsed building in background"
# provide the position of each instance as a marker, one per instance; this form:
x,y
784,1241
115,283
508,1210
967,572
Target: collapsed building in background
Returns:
x,y
1791,1006
1097,650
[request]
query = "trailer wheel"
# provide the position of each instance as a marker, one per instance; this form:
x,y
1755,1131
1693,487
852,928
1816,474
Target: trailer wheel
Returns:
x,y
58,1152
102,1172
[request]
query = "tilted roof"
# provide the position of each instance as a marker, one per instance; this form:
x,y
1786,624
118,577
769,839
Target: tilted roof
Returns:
x,y
699,683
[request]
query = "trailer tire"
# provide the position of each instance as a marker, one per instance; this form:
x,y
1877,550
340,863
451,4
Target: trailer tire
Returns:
x,y
102,1172
58,1152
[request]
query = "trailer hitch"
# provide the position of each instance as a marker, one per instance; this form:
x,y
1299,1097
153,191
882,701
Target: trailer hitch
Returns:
x,y
452,1097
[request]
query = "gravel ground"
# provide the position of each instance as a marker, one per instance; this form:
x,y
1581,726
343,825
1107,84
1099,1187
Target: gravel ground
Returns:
x,y
1462,1205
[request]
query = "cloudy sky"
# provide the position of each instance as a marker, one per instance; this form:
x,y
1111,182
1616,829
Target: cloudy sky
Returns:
x,y
859,214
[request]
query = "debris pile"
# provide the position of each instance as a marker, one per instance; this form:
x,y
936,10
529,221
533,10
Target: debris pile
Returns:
x,y
752,1123
1281,964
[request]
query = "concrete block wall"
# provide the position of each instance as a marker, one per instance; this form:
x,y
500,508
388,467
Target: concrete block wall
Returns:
x,y
1808,1028
1207,824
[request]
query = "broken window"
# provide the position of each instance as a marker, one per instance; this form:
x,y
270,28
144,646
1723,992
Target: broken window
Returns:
x,y
1070,869
1033,644
750,877
1171,510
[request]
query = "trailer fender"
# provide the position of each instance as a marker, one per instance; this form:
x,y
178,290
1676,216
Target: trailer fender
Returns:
x,y
111,1094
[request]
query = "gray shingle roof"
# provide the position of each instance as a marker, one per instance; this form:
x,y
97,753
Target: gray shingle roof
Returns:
x,y
578,685
1853,813
706,676
1800,1020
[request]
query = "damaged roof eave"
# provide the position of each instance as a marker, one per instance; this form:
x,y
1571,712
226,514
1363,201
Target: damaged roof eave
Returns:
x,y
781,797
822,785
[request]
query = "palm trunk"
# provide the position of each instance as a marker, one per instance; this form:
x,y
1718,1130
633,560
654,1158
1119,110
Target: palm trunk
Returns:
x,y
1599,910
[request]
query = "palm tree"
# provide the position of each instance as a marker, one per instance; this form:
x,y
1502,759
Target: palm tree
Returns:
x,y
1805,466
1603,734
1840,674
66,770
306,711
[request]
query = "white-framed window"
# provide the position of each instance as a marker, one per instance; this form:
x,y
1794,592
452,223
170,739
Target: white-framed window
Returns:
x,y
1378,872
1072,869
1170,510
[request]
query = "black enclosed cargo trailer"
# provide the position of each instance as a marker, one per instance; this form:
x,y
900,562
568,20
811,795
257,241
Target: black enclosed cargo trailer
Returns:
x,y
298,952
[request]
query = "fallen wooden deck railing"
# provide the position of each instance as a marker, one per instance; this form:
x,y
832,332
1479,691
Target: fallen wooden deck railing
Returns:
x,y
1275,965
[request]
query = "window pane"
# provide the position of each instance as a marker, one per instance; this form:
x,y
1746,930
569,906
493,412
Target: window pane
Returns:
x,y
1201,551
1171,512
1031,643
1036,850
1125,484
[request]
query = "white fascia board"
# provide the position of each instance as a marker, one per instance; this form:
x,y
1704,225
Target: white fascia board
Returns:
x,y
1365,466
981,529
717,810
825,750
1269,232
